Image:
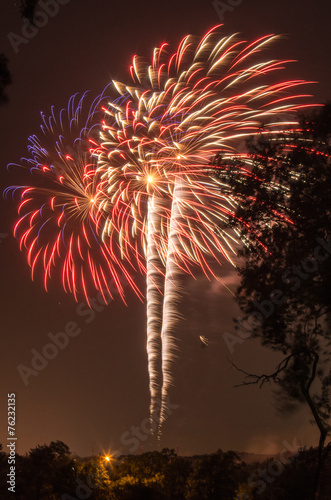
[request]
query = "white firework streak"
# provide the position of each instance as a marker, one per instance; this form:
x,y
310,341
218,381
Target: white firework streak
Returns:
x,y
155,286
172,295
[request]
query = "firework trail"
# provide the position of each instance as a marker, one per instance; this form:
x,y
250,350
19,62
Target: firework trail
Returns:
x,y
172,295
144,196
155,287
202,100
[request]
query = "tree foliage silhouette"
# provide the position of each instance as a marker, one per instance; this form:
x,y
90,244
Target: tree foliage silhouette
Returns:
x,y
27,11
28,8
285,201
5,78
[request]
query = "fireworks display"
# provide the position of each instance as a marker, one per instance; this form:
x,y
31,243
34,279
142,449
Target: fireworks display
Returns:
x,y
128,184
57,225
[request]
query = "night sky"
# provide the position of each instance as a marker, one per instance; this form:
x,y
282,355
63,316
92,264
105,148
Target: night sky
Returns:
x,y
96,389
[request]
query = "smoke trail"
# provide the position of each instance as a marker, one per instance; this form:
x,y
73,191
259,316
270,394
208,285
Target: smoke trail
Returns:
x,y
172,295
155,287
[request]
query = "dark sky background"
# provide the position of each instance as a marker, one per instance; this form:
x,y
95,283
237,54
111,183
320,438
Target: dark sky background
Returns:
x,y
96,389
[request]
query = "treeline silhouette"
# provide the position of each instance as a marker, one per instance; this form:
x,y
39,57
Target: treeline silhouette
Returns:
x,y
52,472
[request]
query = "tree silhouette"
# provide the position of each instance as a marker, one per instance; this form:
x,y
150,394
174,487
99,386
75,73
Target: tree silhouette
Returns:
x,y
94,475
48,472
5,78
28,9
215,476
285,281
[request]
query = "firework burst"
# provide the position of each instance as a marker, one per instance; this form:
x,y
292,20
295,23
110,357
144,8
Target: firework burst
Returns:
x,y
144,194
58,224
157,141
